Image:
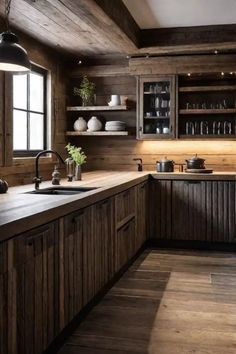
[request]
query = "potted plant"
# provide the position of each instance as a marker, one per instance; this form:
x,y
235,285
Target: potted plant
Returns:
x,y
79,158
86,91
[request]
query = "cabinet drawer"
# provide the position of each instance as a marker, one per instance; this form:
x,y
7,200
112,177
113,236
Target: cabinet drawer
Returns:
x,y
124,206
125,244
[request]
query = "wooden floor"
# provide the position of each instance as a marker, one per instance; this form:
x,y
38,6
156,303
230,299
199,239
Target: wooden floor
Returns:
x,y
168,302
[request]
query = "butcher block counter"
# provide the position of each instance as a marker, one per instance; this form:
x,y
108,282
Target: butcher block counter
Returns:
x,y
20,212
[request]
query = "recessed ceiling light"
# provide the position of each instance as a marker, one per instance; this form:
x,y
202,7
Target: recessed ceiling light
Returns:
x,y
222,74
189,74
231,72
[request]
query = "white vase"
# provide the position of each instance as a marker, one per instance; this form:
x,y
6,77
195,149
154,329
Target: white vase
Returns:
x,y
94,124
80,124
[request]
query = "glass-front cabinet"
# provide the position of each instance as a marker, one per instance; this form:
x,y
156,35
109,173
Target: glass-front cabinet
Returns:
x,y
156,108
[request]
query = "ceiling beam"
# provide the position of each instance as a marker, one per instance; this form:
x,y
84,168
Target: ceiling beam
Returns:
x,y
182,36
119,13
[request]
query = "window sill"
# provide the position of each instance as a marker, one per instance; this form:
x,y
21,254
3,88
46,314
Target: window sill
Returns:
x,y
31,160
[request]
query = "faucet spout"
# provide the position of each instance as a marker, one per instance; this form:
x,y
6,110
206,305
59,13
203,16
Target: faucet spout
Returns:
x,y
37,179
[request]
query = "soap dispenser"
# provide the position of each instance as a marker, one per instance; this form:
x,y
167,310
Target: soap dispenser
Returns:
x,y
56,176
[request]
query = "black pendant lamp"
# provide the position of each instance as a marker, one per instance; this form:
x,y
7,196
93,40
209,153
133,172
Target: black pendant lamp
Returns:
x,y
12,56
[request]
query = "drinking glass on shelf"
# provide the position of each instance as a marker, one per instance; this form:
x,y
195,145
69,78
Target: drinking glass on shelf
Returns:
x,y
204,128
159,128
219,129
189,128
227,128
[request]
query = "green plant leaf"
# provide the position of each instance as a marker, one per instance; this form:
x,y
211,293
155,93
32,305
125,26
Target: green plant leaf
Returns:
x,y
76,154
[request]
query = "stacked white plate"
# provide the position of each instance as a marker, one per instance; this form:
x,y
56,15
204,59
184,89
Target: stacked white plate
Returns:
x,y
115,126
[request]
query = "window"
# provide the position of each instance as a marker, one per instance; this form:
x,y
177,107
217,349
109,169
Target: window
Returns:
x,y
29,112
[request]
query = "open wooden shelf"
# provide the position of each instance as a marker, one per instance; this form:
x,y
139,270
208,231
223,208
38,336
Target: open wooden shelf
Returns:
x,y
207,136
208,111
155,117
97,108
98,133
156,93
207,88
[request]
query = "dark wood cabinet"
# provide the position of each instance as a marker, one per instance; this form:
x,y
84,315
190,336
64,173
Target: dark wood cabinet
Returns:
x,y
160,215
194,210
125,243
204,210
124,206
141,224
104,232
29,291
74,228
156,107
126,236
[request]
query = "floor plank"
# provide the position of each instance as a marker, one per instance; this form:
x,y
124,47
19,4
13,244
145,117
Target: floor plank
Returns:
x,y
168,302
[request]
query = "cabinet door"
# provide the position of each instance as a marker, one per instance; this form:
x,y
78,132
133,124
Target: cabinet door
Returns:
x,y
76,228
156,108
203,211
160,218
222,209
141,233
98,249
189,210
29,291
125,243
103,219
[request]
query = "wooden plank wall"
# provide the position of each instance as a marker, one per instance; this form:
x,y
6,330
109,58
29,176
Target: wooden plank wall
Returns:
x,y
21,171
117,153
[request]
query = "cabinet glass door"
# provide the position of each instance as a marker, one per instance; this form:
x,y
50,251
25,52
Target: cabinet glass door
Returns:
x,y
156,113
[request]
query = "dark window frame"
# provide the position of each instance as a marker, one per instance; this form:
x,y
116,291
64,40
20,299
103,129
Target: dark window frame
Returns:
x,y
30,153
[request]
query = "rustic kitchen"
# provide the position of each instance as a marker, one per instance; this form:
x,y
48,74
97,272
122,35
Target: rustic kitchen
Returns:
x,y
117,176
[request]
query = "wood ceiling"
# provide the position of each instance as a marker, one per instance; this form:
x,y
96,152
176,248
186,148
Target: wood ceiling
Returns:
x,y
105,27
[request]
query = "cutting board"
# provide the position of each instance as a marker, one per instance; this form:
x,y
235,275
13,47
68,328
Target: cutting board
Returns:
x,y
198,170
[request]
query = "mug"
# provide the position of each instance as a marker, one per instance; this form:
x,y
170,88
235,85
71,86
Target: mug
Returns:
x,y
115,100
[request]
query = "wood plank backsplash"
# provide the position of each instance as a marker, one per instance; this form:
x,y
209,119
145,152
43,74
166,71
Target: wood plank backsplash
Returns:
x,y
117,153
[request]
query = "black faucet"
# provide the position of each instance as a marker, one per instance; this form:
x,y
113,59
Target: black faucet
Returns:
x,y
140,164
37,179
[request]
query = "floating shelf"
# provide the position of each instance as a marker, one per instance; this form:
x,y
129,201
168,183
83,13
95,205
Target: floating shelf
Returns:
x,y
155,117
207,88
156,93
208,111
99,133
97,108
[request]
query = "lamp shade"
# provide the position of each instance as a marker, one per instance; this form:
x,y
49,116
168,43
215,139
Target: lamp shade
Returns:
x,y
12,56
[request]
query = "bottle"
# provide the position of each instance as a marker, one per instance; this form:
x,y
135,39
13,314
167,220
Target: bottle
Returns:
x,y
56,176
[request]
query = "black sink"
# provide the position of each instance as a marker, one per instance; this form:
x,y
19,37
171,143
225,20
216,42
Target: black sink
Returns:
x,y
60,190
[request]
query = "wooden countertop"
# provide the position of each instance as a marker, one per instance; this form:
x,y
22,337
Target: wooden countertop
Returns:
x,y
215,176
20,212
